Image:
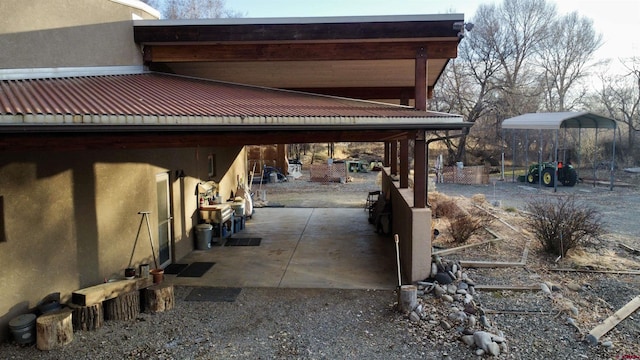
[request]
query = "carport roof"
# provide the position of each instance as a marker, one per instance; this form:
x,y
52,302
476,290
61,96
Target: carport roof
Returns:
x,y
153,104
557,120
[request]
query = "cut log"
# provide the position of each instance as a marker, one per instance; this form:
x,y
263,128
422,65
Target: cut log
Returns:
x,y
407,298
99,293
87,318
54,330
159,298
594,335
462,247
490,264
124,307
507,287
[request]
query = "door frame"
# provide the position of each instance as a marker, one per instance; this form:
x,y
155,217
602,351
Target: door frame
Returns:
x,y
165,219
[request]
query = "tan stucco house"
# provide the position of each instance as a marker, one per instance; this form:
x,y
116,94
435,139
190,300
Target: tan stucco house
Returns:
x,y
106,111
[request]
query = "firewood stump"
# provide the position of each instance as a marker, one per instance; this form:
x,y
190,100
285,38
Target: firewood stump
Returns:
x,y
87,318
124,307
159,298
54,330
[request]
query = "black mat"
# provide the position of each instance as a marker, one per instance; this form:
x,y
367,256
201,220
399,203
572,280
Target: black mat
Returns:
x,y
196,269
174,269
213,294
243,242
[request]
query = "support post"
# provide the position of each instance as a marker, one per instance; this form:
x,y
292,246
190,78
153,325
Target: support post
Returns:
x,y
420,177
404,163
387,148
421,79
393,161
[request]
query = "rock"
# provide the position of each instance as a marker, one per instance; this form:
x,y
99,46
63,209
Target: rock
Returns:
x,y
414,316
607,343
545,289
555,287
468,340
483,321
458,317
438,291
459,274
434,269
458,297
574,286
453,276
498,339
451,289
479,352
443,278
468,299
454,268
482,339
447,298
471,321
504,348
463,286
461,291
445,325
470,282
469,308
494,349
471,290
467,331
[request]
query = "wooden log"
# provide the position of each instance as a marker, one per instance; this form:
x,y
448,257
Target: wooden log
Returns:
x,y
619,272
159,298
54,330
407,298
99,293
490,264
594,335
462,247
87,318
507,287
124,307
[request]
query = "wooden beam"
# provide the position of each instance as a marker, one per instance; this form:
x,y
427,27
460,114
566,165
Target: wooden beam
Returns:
x,y
404,94
404,163
594,335
393,161
419,171
507,287
421,80
490,264
458,248
110,290
299,51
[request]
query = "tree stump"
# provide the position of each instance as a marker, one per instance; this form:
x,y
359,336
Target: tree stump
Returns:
x,y
124,307
54,330
87,317
407,298
159,298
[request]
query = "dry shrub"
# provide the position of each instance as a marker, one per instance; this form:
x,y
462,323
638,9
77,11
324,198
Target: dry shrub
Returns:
x,y
479,198
447,209
462,226
562,224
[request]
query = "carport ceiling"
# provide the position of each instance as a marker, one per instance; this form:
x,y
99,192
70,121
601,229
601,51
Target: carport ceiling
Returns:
x,y
369,57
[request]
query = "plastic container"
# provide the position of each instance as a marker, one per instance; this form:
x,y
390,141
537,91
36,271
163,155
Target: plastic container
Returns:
x,y
23,328
238,207
204,234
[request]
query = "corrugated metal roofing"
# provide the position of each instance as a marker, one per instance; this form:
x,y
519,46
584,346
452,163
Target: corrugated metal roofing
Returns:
x,y
557,120
160,98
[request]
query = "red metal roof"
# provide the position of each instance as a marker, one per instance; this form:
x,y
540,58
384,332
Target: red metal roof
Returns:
x,y
155,94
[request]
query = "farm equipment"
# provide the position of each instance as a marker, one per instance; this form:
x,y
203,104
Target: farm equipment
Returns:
x,y
567,175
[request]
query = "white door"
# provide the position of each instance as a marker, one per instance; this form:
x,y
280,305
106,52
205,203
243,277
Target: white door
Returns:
x,y
164,219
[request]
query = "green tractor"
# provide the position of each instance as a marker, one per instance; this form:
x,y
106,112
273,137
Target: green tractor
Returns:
x,y
567,175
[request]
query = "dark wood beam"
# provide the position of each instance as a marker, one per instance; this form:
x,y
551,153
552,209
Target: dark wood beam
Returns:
x,y
421,80
366,93
357,30
393,161
404,163
299,51
419,171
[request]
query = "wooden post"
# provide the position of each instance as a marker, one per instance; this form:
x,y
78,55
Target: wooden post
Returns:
x,y
404,163
408,298
54,330
87,317
124,307
393,160
419,171
159,298
421,80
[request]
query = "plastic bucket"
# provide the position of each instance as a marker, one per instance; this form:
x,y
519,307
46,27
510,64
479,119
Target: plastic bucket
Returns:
x,y
204,234
23,328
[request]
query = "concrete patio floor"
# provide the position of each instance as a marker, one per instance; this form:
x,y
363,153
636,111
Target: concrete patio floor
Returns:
x,y
301,248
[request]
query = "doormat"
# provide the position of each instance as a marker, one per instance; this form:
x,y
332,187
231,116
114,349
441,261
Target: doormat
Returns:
x,y
196,269
243,242
174,269
213,294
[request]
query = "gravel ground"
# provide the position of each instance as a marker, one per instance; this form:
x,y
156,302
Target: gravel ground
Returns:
x,y
264,323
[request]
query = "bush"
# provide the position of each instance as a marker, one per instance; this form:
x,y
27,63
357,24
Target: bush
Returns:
x,y
463,225
562,224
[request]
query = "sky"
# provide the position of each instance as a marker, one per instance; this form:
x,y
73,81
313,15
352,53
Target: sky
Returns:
x,y
616,20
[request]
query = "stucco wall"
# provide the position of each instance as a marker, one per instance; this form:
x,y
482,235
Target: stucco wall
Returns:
x,y
413,227
69,219
68,33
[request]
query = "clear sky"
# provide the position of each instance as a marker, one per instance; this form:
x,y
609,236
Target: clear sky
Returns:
x,y
615,19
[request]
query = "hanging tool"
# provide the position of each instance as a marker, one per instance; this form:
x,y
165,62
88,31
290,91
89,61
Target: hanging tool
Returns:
x,y
145,216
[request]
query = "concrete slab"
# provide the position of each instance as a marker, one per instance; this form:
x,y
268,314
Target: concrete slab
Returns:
x,y
301,248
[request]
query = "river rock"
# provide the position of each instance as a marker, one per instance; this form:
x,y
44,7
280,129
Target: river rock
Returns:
x,y
498,339
445,325
545,289
461,291
443,278
471,321
494,349
479,352
451,289
438,291
463,285
574,286
447,298
458,317
434,269
467,339
482,339
414,316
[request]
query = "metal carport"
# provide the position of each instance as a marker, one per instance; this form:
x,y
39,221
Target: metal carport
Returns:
x,y
564,120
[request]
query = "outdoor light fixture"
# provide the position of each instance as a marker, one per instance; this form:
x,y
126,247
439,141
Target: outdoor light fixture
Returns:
x,y
462,27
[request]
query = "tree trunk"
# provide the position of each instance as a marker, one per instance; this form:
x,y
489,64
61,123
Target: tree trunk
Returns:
x,y
124,307
54,330
87,317
159,298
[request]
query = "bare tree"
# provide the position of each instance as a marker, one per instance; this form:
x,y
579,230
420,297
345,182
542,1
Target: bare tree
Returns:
x,y
194,9
565,57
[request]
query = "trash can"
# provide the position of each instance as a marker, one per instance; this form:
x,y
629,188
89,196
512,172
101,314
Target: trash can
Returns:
x,y
273,177
203,236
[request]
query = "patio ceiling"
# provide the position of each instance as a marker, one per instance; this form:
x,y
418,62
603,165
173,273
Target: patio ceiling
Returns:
x,y
371,57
